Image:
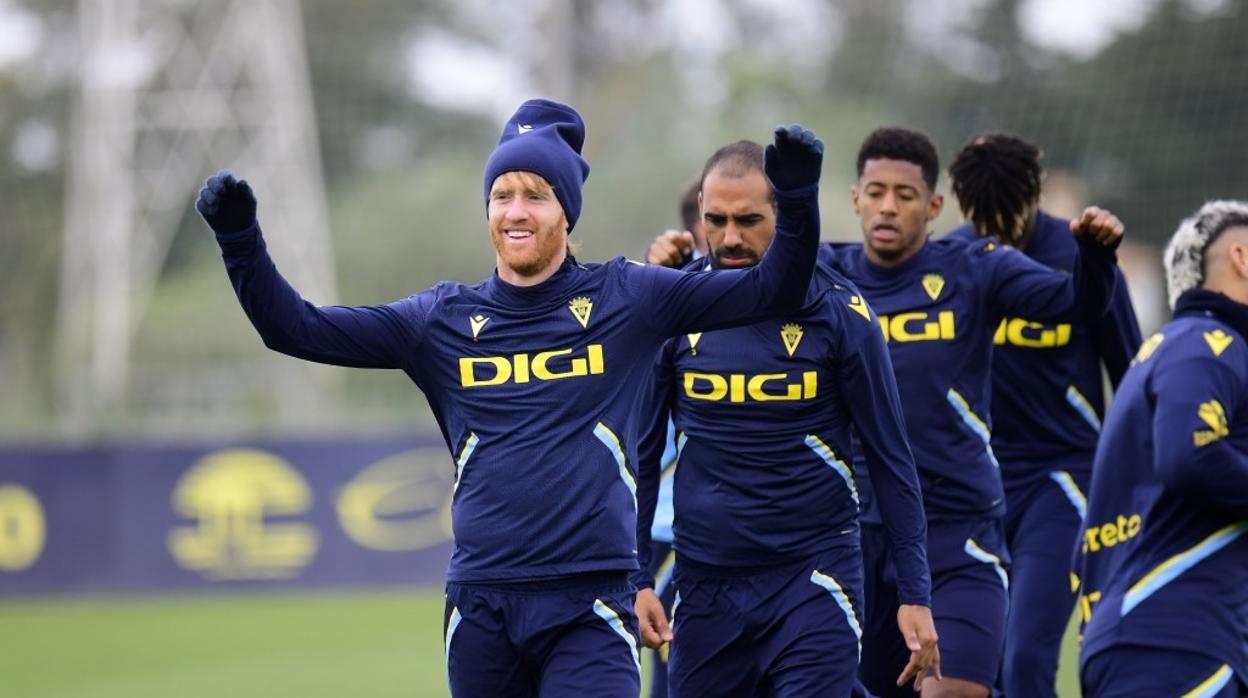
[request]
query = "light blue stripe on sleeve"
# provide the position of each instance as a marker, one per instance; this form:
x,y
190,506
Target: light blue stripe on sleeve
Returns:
x,y
612,442
1184,561
469,446
842,600
613,619
819,447
972,420
1083,407
972,548
1071,488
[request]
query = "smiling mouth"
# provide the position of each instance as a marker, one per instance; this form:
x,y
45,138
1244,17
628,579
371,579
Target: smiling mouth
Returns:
x,y
518,234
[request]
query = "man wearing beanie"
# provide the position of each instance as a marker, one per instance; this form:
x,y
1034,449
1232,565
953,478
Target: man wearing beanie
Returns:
x,y
531,375
1164,550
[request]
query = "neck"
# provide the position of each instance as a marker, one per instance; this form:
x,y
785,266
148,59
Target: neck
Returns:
x,y
890,262
1236,292
519,278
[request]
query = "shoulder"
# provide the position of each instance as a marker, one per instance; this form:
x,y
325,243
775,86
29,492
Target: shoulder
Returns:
x,y
838,298
963,232
1195,339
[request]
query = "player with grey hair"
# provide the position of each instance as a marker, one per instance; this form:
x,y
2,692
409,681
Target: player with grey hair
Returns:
x,y
1165,555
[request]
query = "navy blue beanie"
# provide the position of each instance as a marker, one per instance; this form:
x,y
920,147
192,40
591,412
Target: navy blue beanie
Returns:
x,y
545,138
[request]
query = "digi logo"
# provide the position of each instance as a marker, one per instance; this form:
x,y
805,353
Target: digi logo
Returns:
x,y
1032,335
556,364
23,528
737,387
230,494
917,327
396,504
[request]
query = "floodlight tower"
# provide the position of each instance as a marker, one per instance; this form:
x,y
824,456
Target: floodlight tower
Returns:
x,y
172,90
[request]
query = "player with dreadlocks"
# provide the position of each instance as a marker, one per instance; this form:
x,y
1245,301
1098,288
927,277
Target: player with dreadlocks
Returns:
x,y
1047,402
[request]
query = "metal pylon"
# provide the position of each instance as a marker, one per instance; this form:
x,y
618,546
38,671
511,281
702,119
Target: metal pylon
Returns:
x,y
172,90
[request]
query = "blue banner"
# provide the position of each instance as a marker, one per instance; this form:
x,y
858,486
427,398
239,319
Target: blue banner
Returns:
x,y
315,513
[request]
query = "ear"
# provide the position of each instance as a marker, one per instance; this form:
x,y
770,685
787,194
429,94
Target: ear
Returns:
x,y
853,197
1238,256
935,206
701,208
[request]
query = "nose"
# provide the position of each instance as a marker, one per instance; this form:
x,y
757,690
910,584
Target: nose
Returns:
x,y
732,235
888,204
517,210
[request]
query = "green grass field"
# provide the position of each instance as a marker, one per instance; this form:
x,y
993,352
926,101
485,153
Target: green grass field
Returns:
x,y
281,645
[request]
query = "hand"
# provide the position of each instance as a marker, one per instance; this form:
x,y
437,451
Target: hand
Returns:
x,y
1098,224
919,632
227,204
670,249
651,619
794,160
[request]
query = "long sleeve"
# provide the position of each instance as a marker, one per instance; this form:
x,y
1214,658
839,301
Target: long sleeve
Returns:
x,y
677,302
382,336
1197,403
1117,336
1020,286
650,420
868,382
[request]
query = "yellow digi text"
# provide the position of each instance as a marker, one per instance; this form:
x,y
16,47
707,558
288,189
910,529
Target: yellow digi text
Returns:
x,y
1112,533
1031,335
556,364
917,327
737,387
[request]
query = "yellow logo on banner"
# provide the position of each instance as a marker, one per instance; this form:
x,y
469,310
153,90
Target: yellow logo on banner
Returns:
x,y
23,528
395,504
230,494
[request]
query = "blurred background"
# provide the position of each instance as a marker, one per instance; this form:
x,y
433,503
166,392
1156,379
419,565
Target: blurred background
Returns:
x,y
184,513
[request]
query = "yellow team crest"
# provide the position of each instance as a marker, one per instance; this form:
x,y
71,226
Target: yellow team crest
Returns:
x,y
792,336
693,343
933,284
477,322
859,306
581,308
1214,415
1218,341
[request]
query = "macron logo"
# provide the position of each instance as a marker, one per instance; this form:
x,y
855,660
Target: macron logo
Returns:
x,y
524,128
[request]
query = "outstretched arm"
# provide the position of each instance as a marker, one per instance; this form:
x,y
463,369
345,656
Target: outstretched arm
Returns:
x,y
383,336
1021,286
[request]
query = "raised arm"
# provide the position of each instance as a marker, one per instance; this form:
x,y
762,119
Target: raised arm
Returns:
x,y
383,336
676,302
1020,286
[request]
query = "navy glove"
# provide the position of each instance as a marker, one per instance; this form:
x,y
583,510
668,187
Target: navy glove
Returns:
x,y
795,160
227,204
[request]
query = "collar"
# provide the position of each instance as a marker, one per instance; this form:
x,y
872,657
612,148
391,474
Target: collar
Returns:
x,y
552,289
1199,301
